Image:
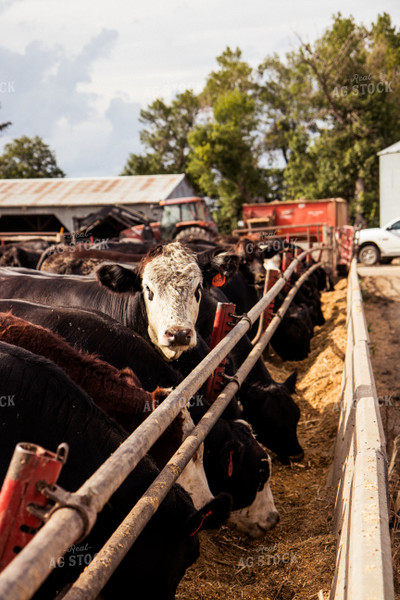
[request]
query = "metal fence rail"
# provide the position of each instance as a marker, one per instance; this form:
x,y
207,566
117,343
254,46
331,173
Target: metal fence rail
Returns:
x,y
24,575
363,560
96,575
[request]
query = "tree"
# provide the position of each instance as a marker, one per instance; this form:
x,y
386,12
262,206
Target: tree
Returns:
x,y
338,107
223,159
225,149
322,114
165,136
28,158
285,91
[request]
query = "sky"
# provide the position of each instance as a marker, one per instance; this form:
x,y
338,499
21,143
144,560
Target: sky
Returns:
x,y
77,73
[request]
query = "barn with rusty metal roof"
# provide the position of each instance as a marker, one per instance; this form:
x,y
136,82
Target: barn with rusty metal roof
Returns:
x,y
49,204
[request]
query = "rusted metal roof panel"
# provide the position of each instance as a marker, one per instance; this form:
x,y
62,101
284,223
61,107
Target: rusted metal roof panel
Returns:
x,y
97,191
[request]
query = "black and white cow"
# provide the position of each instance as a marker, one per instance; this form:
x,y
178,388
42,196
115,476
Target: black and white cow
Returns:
x,y
162,296
236,463
47,409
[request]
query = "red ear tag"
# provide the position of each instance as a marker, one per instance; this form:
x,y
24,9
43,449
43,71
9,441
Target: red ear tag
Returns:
x,y
230,467
218,280
201,523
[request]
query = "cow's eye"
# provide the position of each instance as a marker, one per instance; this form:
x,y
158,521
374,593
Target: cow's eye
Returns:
x,y
197,293
150,294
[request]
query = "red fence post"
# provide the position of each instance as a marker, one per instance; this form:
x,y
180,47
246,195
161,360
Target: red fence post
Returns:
x,y
286,260
223,321
297,253
30,464
271,277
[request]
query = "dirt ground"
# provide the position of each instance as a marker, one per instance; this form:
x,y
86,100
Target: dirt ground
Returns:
x,y
381,294
296,560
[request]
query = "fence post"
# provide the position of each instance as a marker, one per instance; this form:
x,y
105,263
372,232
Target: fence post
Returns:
x,y
363,560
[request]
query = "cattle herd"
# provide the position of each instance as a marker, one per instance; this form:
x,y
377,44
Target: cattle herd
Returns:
x,y
92,340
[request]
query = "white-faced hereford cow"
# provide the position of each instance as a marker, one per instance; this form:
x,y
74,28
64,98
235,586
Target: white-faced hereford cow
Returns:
x,y
159,300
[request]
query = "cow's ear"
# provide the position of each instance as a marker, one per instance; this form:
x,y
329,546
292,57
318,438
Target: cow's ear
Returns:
x,y
211,516
290,382
220,267
118,278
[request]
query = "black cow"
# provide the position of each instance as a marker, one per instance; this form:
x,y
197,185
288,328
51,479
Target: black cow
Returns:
x,y
23,254
46,408
77,261
267,405
97,333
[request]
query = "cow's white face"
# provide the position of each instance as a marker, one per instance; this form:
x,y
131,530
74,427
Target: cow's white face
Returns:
x,y
193,477
171,284
259,517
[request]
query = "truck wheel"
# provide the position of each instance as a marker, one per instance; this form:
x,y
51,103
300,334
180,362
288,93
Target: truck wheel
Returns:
x,y
196,232
369,255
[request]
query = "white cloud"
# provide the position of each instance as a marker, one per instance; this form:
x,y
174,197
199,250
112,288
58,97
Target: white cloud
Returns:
x,y
47,93
77,73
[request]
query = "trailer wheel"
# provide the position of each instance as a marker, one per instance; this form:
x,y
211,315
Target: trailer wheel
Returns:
x,y
197,232
369,255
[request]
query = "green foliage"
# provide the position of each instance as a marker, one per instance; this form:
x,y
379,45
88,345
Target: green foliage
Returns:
x,y
224,151
25,158
233,74
165,136
324,112
353,113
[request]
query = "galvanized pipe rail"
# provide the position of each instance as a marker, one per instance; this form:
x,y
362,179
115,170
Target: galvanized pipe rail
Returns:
x,y
363,560
24,575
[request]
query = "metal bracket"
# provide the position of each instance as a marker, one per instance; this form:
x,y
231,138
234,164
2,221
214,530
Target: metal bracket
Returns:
x,y
243,317
64,499
231,379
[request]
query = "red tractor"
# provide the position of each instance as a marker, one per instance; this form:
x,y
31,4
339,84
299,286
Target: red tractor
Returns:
x,y
178,218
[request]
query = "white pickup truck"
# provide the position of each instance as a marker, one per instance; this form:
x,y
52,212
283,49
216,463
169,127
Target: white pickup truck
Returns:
x,y
379,244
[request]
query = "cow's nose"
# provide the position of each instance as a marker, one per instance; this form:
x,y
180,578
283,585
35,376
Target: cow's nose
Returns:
x,y
178,336
271,522
274,519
